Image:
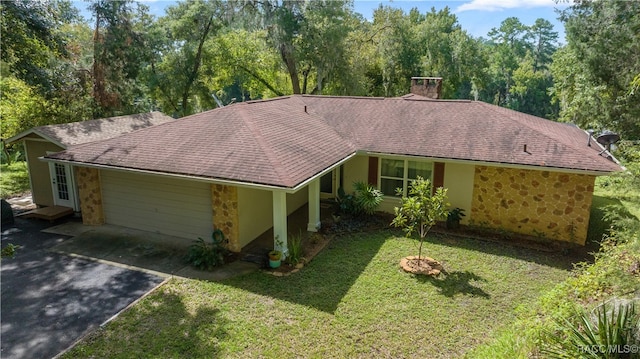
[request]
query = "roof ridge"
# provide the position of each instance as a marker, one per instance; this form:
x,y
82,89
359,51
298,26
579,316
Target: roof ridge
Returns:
x,y
346,97
268,151
267,100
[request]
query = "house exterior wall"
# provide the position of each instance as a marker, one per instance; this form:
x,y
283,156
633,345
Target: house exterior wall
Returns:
x,y
255,213
541,203
297,200
171,206
39,175
355,170
458,180
224,201
90,195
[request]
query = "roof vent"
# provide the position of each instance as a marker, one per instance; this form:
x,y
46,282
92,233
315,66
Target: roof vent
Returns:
x,y
426,86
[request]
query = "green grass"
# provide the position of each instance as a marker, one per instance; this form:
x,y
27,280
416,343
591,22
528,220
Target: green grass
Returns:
x,y
353,300
14,179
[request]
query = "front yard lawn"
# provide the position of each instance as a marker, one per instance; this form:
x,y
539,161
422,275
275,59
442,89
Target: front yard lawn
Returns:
x,y
352,300
14,179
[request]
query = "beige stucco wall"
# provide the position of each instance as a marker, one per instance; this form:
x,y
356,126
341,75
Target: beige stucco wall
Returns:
x,y
255,213
90,195
39,171
355,170
458,180
547,204
297,200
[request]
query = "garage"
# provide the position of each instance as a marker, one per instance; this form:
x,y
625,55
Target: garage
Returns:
x,y
159,204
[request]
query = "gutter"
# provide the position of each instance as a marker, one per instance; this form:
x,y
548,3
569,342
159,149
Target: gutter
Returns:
x,y
204,179
488,163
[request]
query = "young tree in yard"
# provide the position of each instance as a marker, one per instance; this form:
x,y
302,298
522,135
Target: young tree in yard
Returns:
x,y
420,210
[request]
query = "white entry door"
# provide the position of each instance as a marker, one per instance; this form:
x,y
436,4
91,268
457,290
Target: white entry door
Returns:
x,y
62,185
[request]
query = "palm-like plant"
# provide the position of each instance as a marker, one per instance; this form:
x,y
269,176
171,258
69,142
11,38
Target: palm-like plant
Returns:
x,y
612,332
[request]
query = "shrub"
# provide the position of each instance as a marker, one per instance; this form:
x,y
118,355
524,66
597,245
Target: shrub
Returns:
x,y
610,333
295,249
206,256
367,198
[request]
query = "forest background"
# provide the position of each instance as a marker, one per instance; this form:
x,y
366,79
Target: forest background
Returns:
x,y
56,66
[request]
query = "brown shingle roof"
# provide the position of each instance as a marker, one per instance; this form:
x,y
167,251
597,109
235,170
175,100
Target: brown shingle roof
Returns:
x,y
74,133
287,140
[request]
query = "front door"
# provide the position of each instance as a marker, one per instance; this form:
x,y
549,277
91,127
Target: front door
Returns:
x,y
62,185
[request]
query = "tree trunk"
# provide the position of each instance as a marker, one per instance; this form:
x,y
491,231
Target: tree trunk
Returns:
x,y
289,61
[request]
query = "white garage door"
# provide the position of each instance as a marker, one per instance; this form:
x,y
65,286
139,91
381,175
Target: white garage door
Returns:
x,y
164,205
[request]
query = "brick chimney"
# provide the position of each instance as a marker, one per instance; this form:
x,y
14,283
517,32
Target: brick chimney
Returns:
x,y
426,86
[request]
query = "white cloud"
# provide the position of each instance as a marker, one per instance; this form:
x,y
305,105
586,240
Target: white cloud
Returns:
x,y
500,5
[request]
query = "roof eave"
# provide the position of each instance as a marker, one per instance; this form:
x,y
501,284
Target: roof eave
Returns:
x,y
21,136
500,164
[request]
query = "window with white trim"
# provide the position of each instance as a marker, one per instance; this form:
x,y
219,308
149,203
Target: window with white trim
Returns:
x,y
396,173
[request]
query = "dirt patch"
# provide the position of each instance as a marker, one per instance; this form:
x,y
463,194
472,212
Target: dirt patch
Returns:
x,y
421,265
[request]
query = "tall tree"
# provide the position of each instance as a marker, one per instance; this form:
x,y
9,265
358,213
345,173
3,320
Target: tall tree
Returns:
x,y
120,53
30,39
603,49
177,70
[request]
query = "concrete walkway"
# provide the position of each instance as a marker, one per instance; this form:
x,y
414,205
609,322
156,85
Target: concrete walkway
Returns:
x,y
153,253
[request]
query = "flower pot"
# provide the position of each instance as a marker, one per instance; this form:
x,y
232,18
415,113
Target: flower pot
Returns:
x,y
274,263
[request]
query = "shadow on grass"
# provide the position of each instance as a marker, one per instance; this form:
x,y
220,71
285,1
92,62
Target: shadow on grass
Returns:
x,y
326,280
453,283
172,331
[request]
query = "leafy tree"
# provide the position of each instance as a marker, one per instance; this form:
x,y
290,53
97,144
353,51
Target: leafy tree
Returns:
x,y
120,53
21,105
602,48
177,73
420,210
30,40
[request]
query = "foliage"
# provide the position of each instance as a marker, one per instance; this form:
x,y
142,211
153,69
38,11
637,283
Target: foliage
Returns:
x,y
206,256
615,330
364,200
420,210
294,244
14,179
594,74
367,198
9,251
276,253
454,217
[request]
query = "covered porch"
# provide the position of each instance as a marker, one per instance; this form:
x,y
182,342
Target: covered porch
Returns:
x,y
297,224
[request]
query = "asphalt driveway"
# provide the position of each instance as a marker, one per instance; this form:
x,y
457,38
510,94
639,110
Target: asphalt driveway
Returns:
x,y
49,300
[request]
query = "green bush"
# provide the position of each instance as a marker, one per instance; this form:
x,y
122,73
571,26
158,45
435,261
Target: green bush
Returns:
x,y
367,198
206,256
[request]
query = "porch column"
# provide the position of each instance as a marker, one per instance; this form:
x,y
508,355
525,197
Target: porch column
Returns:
x,y
314,206
280,221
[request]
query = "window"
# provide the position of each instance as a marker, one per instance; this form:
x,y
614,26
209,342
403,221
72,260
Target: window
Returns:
x,y
399,173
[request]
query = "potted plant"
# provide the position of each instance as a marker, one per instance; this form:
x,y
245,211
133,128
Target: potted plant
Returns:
x,y
454,217
275,255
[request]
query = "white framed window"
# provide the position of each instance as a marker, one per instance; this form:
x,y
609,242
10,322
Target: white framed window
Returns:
x,y
398,173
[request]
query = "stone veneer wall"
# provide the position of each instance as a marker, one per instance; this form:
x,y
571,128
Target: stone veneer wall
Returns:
x,y
224,201
539,203
88,181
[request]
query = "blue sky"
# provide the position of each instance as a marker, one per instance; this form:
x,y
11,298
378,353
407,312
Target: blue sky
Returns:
x,y
478,17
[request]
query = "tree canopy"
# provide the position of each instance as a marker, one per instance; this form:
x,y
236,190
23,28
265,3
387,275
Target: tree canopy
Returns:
x,y
58,67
